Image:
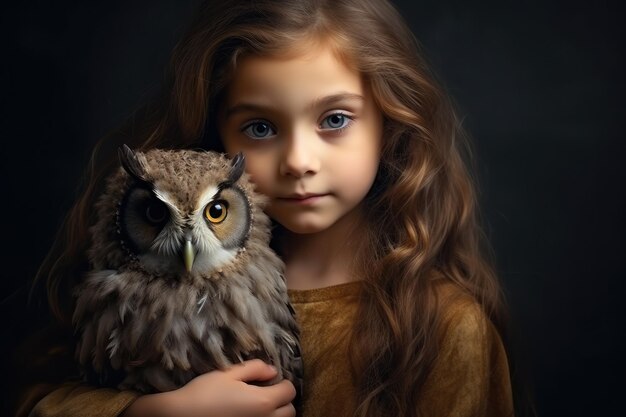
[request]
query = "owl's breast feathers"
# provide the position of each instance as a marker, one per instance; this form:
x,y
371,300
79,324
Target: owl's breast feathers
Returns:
x,y
162,333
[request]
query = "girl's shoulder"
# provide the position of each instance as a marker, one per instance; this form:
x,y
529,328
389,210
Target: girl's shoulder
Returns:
x,y
465,321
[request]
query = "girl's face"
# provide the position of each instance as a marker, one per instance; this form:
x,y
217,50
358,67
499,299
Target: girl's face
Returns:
x,y
310,132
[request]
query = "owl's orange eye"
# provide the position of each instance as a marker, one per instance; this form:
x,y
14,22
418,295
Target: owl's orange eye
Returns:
x,y
216,211
156,212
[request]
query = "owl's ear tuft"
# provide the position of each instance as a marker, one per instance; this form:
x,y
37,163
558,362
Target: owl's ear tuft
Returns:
x,y
238,164
131,163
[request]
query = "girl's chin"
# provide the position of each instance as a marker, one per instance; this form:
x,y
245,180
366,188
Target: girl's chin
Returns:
x,y
303,228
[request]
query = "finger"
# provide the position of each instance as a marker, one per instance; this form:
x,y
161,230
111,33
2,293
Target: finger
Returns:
x,y
281,393
253,370
287,410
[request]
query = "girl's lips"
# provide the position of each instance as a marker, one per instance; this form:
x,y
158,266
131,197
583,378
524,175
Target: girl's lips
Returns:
x,y
302,199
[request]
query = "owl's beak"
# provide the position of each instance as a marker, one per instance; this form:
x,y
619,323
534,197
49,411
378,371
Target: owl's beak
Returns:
x,y
188,255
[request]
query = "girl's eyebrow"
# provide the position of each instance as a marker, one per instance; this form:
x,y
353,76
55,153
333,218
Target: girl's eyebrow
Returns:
x,y
318,102
335,98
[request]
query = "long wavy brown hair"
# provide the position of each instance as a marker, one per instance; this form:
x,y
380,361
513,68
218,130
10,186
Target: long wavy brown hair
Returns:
x,y
425,227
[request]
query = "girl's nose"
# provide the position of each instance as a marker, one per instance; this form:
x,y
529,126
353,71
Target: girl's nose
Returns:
x,y
299,157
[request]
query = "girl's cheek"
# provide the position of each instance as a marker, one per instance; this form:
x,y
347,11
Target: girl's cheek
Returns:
x,y
259,173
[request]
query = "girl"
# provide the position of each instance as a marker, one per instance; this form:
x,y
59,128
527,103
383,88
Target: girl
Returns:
x,y
347,131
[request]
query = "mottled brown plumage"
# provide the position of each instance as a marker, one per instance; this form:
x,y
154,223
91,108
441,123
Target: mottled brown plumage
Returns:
x,y
183,280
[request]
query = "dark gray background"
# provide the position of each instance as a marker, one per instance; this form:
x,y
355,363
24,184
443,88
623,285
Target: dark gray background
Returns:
x,y
540,87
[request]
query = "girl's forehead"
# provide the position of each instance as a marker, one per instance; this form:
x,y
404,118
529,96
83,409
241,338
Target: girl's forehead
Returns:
x,y
310,44
316,71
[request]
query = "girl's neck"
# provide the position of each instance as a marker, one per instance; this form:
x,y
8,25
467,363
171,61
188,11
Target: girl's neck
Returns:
x,y
324,258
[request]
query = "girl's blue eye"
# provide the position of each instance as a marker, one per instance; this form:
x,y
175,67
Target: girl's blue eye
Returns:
x,y
259,130
335,121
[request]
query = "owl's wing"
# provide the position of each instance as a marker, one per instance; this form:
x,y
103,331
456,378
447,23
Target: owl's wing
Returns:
x,y
295,366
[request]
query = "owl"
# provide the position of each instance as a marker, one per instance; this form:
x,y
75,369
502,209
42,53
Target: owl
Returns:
x,y
182,278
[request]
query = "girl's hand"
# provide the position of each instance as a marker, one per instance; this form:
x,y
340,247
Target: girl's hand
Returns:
x,y
222,394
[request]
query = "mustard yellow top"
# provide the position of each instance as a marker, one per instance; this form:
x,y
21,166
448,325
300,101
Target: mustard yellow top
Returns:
x,y
470,376
325,316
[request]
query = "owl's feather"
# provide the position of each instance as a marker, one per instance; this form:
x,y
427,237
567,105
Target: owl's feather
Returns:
x,y
146,323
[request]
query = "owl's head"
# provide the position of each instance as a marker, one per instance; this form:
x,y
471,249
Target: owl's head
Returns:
x,y
174,212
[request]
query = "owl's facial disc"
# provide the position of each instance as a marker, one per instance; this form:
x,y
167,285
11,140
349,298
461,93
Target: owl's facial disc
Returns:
x,y
142,217
228,216
169,236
